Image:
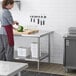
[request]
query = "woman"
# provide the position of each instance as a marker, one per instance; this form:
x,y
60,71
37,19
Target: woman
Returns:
x,y
6,36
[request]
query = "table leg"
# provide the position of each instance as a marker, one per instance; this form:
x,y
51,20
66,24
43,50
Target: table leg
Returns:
x,y
49,48
38,53
19,74
38,66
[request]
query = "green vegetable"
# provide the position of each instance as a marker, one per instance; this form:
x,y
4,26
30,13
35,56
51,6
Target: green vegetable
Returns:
x,y
20,28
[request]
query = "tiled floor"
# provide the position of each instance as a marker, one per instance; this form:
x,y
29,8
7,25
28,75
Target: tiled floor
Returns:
x,y
29,73
50,68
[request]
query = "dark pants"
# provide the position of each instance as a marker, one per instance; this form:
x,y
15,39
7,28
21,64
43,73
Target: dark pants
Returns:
x,y
6,51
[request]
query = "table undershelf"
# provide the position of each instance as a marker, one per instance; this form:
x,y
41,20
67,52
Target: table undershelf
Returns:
x,y
30,58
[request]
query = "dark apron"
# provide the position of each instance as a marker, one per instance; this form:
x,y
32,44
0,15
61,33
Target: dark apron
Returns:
x,y
9,31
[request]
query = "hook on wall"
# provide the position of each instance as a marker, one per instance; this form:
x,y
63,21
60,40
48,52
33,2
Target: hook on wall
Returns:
x,y
18,3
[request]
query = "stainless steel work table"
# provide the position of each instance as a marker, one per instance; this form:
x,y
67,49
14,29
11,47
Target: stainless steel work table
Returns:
x,y
38,35
11,68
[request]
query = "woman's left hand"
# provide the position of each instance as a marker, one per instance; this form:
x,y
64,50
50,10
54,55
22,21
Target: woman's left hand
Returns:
x,y
15,22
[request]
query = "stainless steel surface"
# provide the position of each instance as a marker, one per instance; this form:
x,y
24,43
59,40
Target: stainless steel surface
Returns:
x,y
72,30
29,58
49,47
43,55
19,74
8,68
67,42
70,53
38,52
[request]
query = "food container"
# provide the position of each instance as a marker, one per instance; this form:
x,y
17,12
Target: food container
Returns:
x,y
34,50
23,51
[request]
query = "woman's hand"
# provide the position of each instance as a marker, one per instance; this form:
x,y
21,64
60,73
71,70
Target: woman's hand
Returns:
x,y
15,28
15,22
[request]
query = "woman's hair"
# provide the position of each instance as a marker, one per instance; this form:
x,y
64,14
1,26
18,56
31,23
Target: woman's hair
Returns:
x,y
6,2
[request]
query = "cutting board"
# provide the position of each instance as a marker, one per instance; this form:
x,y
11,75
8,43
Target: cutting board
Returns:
x,y
26,31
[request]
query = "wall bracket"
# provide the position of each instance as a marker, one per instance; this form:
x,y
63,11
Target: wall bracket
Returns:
x,y
18,3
